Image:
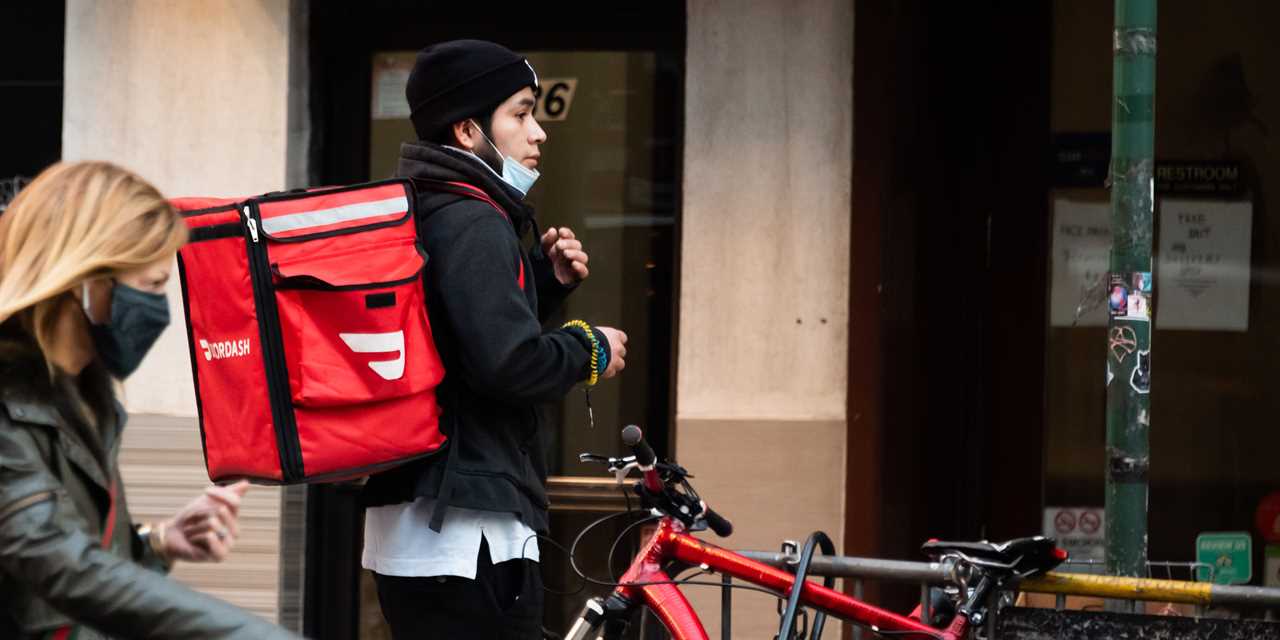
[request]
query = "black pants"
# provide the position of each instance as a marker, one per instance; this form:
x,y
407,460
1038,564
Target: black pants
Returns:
x,y
504,601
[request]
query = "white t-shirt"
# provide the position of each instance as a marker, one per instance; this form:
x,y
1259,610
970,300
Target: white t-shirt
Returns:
x,y
399,542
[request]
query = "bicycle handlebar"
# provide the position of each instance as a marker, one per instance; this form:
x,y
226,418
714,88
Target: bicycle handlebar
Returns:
x,y
718,523
633,437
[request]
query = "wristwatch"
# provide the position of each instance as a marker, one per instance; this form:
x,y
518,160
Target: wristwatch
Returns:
x,y
153,536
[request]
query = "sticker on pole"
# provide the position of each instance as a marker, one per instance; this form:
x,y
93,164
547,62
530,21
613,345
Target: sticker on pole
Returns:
x,y
1229,553
1129,296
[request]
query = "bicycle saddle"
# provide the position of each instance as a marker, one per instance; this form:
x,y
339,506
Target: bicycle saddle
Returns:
x,y
1023,555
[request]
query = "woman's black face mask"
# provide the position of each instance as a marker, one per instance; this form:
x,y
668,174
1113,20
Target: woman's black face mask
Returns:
x,y
137,319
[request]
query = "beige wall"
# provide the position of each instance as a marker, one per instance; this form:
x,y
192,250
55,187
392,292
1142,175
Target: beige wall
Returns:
x,y
764,274
192,95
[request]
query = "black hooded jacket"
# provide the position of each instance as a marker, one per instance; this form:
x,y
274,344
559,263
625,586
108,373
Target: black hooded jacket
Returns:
x,y
499,362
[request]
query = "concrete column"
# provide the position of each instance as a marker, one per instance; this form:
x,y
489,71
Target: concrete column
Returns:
x,y
765,274
194,96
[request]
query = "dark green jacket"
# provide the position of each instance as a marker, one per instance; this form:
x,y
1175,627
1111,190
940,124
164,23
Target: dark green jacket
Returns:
x,y
55,481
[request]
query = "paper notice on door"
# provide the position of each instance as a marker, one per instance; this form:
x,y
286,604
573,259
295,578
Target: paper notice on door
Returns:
x,y
1202,281
1081,256
390,77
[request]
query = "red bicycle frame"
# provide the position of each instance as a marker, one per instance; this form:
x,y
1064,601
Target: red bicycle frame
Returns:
x,y
671,542
665,489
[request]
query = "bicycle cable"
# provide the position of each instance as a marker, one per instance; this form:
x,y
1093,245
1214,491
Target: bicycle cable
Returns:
x,y
569,552
613,548
573,549
545,588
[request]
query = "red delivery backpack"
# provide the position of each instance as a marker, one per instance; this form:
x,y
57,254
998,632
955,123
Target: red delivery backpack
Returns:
x,y
307,323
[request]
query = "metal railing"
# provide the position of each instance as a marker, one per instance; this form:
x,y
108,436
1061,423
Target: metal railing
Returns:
x,y
1059,584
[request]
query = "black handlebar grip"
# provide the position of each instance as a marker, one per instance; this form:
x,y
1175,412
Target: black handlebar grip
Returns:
x,y
718,523
634,438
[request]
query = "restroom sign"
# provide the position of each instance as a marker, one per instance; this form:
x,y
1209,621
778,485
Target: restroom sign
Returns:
x,y
554,98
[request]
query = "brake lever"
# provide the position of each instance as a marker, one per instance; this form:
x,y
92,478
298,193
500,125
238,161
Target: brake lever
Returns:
x,y
619,467
620,473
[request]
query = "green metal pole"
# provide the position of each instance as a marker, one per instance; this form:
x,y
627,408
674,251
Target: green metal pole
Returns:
x,y
1130,286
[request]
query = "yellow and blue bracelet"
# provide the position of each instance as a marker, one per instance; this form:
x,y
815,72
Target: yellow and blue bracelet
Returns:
x,y
597,351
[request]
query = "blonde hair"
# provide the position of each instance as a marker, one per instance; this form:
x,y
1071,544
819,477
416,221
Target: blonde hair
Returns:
x,y
78,221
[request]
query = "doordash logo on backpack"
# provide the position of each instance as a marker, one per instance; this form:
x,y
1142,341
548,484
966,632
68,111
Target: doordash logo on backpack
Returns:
x,y
391,342
223,349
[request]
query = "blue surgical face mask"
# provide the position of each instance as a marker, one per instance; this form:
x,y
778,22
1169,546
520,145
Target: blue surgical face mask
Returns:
x,y
514,173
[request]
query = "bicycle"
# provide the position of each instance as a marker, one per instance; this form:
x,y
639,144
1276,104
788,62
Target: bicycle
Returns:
x,y
978,569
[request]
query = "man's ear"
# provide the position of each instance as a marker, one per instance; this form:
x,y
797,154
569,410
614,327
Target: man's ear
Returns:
x,y
465,133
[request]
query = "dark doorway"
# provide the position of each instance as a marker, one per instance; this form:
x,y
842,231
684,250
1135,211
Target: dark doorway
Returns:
x,y
30,91
950,222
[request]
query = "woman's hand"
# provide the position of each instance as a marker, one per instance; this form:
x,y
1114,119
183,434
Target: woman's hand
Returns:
x,y
207,528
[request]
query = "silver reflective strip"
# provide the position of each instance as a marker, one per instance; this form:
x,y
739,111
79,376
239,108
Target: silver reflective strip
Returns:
x,y
324,217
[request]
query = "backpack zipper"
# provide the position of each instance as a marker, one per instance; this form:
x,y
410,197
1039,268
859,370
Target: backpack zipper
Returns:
x,y
282,416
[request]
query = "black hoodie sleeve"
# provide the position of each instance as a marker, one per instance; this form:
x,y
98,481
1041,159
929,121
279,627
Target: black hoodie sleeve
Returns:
x,y
551,293
503,351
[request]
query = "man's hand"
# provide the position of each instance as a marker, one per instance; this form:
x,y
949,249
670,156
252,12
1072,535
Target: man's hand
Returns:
x,y
617,351
207,528
566,255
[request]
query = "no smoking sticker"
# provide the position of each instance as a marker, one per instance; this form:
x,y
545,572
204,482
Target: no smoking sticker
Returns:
x,y
1090,522
1064,522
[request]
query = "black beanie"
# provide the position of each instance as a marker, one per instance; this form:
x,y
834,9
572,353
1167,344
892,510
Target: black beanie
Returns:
x,y
461,79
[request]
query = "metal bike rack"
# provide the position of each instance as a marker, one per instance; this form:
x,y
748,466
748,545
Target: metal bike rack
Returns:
x,y
928,574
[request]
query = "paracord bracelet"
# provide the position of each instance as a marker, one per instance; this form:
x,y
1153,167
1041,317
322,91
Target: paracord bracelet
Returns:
x,y
595,348
603,357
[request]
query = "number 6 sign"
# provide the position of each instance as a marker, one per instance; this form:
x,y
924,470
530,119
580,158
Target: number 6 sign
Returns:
x,y
554,96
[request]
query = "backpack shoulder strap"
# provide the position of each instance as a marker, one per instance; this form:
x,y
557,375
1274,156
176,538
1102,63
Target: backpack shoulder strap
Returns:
x,y
468,190
464,189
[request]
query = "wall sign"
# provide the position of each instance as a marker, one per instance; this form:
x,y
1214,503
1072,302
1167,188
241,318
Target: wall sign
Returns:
x,y
1203,266
390,77
1081,257
1083,160
555,96
1205,179
1202,280
1230,554
1080,531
